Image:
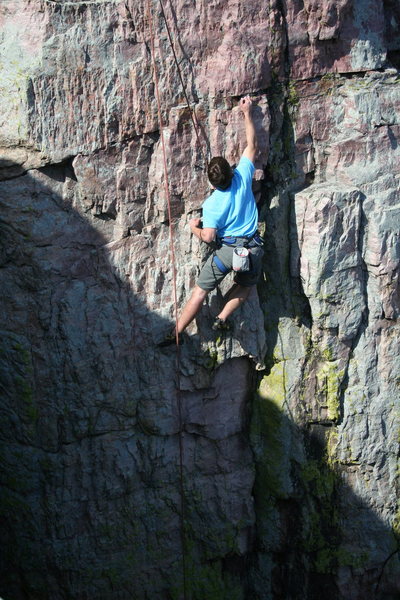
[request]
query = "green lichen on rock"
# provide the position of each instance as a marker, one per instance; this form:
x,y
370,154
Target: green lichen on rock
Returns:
x,y
16,68
319,479
329,559
321,517
273,387
396,523
211,358
266,432
322,514
293,98
214,354
330,379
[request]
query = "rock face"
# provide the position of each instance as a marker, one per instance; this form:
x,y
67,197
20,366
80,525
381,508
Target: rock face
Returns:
x,y
261,464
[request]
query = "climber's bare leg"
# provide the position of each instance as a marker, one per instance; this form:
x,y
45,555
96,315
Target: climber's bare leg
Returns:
x,y
234,298
192,307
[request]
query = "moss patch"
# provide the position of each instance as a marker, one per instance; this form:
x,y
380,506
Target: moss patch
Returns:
x,y
266,433
322,522
396,524
330,380
293,98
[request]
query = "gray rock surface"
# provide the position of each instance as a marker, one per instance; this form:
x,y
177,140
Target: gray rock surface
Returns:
x,y
260,464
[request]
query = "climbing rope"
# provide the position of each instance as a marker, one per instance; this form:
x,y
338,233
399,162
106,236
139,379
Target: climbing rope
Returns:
x,y
173,261
192,112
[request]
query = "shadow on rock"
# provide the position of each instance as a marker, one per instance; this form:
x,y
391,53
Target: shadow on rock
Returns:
x,y
315,537
90,456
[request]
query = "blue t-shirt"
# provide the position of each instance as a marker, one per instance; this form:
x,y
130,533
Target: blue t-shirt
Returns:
x,y
233,211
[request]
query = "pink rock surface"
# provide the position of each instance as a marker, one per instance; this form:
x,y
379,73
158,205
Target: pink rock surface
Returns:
x,y
338,37
299,462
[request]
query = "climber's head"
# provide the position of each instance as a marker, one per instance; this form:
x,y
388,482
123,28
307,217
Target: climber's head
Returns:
x,y
219,173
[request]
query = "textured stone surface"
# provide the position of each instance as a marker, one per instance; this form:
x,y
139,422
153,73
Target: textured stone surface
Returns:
x,y
344,36
290,474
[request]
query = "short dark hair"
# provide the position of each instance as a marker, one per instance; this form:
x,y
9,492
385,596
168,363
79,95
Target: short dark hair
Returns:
x,y
219,172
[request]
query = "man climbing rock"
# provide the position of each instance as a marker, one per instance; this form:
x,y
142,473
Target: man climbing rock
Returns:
x,y
230,220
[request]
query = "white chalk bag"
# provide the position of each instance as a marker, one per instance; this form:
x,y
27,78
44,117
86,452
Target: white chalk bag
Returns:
x,y
241,259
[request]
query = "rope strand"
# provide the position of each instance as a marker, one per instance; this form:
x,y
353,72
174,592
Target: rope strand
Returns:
x,y
171,237
192,112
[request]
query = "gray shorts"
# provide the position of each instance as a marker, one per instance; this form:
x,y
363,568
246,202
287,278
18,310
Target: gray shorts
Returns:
x,y
211,274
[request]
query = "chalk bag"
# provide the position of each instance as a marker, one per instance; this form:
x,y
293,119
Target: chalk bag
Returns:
x,y
241,259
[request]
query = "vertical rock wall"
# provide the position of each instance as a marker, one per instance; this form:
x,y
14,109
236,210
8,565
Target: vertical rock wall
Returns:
x,y
289,478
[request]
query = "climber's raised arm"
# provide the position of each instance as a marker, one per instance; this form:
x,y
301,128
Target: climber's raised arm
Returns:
x,y
251,137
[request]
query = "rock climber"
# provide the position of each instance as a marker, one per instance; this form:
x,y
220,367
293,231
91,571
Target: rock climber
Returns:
x,y
229,220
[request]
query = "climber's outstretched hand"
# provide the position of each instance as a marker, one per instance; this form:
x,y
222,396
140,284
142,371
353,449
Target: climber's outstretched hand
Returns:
x,y
245,104
250,151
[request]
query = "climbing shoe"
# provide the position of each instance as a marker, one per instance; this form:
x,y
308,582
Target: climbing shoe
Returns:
x,y
221,325
170,340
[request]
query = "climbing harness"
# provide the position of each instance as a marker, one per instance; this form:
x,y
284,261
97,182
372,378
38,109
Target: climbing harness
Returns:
x,y
221,266
247,242
241,259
